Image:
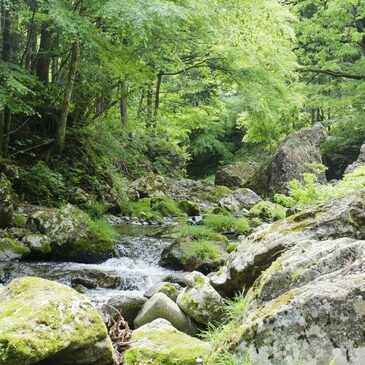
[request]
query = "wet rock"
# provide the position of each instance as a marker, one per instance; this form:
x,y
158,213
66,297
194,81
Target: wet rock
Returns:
x,y
176,278
239,199
6,203
359,162
95,278
127,304
292,158
84,282
42,321
199,300
177,257
161,306
170,289
159,343
72,234
339,218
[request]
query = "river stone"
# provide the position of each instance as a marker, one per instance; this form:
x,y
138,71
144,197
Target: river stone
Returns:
x,y
44,322
170,289
128,304
6,203
292,158
148,186
320,322
11,249
159,343
239,199
38,243
339,218
71,233
192,209
161,306
358,163
199,300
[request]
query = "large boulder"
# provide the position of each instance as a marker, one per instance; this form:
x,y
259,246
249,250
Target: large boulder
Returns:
x,y
236,175
161,306
358,163
336,219
148,186
126,304
199,300
73,236
159,343
293,157
43,322
239,199
319,323
6,203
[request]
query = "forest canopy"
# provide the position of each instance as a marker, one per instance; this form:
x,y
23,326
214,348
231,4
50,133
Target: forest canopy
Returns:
x,y
199,80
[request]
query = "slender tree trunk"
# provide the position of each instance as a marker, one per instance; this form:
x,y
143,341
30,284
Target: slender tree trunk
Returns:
x,y
140,103
149,107
157,97
26,57
5,116
43,58
61,131
124,103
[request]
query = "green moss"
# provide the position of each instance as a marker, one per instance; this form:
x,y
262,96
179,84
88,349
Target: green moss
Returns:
x,y
216,194
164,346
40,318
19,221
200,232
13,246
268,211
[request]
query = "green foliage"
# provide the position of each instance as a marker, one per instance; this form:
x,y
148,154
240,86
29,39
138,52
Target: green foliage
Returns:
x,y
200,232
310,192
226,223
202,249
40,184
101,231
267,211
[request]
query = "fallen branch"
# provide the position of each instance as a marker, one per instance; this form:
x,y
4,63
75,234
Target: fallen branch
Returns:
x,y
333,73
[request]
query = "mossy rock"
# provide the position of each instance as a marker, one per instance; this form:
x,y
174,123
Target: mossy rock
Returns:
x,y
44,322
190,208
6,202
19,220
11,249
73,235
159,343
268,211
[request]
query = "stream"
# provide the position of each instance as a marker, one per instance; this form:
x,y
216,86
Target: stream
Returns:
x,y
135,269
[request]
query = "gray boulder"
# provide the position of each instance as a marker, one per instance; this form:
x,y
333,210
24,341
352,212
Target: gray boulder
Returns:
x,y
148,186
340,218
172,290
358,163
128,304
292,158
39,244
199,300
161,306
239,199
11,249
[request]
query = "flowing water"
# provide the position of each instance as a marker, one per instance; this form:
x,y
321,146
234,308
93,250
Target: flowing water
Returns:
x,y
135,269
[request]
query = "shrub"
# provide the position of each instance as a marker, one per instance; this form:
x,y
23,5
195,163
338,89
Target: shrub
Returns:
x,y
200,232
226,223
39,184
310,192
203,249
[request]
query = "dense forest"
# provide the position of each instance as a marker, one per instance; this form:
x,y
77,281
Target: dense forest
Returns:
x,y
194,169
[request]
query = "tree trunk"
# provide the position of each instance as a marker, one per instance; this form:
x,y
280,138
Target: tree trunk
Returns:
x,y
140,103
124,103
157,97
6,130
43,58
61,131
31,40
149,107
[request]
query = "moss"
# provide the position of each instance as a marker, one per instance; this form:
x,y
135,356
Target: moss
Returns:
x,y
164,346
200,232
13,246
202,249
40,318
19,221
268,211
216,194
232,247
